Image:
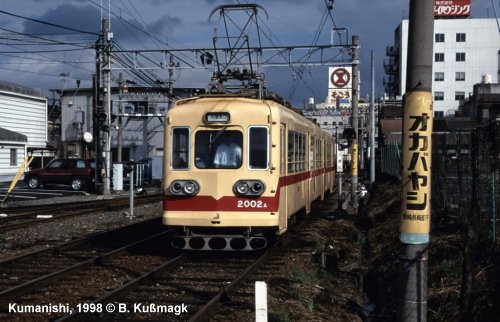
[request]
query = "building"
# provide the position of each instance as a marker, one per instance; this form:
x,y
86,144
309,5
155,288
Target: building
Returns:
x,y
136,115
465,52
483,105
23,127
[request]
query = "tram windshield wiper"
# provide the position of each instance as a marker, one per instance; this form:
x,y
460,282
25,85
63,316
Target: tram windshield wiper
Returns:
x,y
216,136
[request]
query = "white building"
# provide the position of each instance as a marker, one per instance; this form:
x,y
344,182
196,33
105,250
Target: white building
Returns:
x,y
23,127
466,50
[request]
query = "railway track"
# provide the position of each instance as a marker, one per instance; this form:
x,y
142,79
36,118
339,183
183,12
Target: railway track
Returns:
x,y
52,275
131,267
198,284
17,217
24,277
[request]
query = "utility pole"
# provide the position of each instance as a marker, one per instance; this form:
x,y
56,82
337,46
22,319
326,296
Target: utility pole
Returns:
x,y
96,84
417,157
372,121
120,120
355,121
170,81
107,105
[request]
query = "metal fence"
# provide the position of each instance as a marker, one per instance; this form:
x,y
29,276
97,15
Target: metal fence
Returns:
x,y
390,157
465,174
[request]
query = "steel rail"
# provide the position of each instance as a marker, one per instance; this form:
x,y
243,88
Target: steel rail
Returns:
x,y
73,243
203,313
87,210
28,210
23,288
128,287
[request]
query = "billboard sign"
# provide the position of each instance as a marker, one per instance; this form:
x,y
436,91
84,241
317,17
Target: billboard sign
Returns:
x,y
339,85
452,8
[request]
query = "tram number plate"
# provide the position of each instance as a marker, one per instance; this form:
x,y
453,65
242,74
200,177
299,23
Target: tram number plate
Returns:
x,y
251,204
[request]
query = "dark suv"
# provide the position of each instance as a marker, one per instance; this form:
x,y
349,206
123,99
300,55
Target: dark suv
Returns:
x,y
78,173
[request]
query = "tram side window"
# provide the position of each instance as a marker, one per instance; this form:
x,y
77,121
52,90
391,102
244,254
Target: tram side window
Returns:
x,y
291,161
296,152
329,159
180,148
318,154
258,148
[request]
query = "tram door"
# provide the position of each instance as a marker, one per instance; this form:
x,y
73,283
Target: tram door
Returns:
x,y
283,213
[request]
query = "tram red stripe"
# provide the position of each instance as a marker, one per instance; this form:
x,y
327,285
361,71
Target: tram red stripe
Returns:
x,y
233,203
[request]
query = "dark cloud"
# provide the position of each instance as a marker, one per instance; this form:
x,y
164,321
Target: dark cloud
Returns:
x,y
85,18
184,24
88,18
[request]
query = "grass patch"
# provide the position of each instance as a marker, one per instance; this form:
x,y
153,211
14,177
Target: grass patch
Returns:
x,y
309,278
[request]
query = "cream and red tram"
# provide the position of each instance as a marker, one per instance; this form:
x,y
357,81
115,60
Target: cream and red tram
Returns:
x,y
274,164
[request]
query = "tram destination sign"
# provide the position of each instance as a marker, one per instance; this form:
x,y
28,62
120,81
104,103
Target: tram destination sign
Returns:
x,y
217,117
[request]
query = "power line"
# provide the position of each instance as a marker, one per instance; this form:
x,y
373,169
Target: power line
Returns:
x,y
48,23
54,42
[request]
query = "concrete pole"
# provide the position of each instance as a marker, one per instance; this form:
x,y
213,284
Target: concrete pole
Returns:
x,y
170,81
107,106
120,120
372,122
131,192
355,121
416,155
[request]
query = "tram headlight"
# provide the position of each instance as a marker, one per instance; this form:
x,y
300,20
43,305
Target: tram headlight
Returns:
x,y
257,187
241,188
184,187
176,187
249,188
190,188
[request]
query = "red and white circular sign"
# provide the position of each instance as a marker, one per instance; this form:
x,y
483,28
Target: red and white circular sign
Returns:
x,y
340,77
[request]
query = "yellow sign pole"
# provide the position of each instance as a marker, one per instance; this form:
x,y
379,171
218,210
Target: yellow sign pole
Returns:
x,y
354,159
416,175
20,171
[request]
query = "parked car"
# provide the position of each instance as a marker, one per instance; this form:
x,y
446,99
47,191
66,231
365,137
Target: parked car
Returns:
x,y
77,173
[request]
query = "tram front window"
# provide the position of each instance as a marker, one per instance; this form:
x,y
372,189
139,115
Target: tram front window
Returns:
x,y
180,148
220,149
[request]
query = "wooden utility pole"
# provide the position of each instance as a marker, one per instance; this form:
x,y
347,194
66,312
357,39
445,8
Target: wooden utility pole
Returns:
x,y
416,174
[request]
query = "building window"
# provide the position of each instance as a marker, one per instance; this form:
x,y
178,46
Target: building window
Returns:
x,y
460,76
439,57
13,157
460,37
439,37
460,57
459,96
438,114
439,96
439,76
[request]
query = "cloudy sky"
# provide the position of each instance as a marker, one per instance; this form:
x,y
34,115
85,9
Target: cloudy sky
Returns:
x,y
45,56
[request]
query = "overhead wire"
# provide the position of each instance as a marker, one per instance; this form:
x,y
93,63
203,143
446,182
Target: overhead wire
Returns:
x,y
297,73
14,39
302,67
49,23
177,55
